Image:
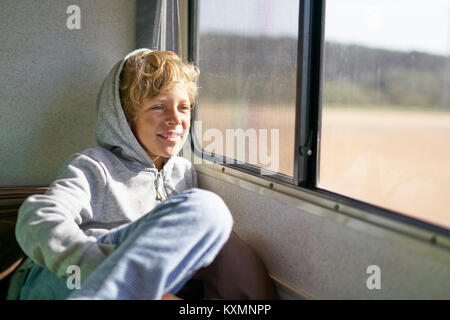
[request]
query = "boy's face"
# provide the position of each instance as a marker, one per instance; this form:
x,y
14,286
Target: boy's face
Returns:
x,y
163,122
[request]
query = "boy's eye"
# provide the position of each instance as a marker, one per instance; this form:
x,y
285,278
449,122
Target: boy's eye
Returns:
x,y
185,107
159,107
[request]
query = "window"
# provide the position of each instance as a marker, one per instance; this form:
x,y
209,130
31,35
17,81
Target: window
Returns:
x,y
247,56
359,93
385,133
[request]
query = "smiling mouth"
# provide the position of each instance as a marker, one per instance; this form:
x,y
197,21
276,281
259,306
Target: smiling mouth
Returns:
x,y
171,137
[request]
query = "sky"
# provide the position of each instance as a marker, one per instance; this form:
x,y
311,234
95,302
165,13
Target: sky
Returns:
x,y
405,25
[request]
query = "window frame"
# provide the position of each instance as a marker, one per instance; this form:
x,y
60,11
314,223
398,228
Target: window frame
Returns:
x,y
308,111
193,45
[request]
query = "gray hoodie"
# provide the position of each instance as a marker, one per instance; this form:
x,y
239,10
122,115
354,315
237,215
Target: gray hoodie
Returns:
x,y
96,190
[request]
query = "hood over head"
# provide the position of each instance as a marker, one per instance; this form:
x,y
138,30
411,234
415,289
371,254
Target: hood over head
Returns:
x,y
113,132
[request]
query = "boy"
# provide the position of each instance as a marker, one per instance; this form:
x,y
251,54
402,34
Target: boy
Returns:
x,y
127,213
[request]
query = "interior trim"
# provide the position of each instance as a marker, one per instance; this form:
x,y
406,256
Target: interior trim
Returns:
x,y
314,204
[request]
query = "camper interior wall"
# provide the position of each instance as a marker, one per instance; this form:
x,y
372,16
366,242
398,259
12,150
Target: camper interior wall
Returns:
x,y
51,75
316,253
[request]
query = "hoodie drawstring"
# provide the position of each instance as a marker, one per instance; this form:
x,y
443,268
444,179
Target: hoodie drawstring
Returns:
x,y
159,194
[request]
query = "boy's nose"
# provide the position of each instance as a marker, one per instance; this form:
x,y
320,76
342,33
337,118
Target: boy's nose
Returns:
x,y
174,117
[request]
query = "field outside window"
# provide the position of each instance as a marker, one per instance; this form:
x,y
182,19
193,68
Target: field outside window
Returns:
x,y
385,133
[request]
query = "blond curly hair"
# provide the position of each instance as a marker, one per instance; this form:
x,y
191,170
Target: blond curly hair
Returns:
x,y
149,73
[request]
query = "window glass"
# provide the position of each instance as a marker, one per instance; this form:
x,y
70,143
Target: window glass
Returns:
x,y
385,123
247,56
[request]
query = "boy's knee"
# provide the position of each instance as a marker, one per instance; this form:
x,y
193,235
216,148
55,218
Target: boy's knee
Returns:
x,y
213,212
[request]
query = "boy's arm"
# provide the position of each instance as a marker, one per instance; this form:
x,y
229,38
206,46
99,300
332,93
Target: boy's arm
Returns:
x,y
47,227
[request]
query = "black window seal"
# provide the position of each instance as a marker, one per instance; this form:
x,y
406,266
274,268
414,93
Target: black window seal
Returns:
x,y
309,70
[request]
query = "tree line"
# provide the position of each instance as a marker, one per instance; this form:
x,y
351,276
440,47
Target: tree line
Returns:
x,y
263,70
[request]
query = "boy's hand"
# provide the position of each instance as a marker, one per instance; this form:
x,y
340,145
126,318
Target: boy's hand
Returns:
x,y
169,296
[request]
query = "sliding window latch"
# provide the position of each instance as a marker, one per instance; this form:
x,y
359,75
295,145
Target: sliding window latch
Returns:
x,y
306,150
